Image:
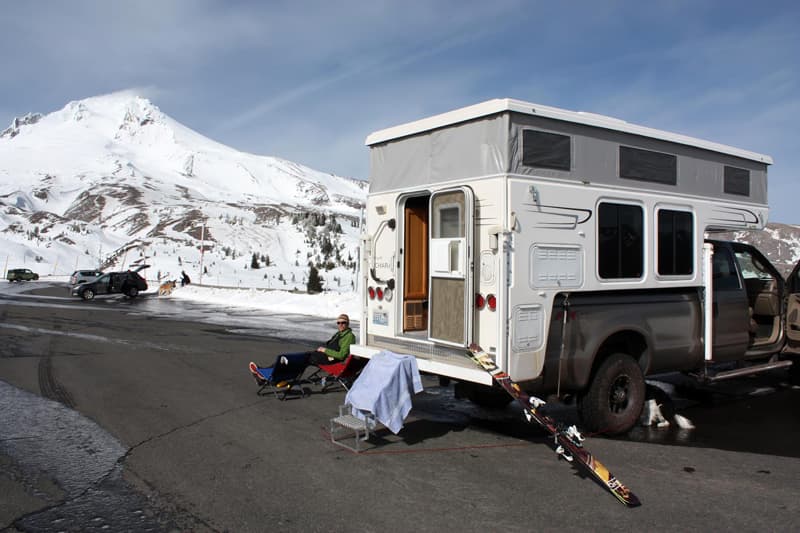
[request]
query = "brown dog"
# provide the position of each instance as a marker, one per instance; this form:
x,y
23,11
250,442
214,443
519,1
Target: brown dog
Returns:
x,y
165,289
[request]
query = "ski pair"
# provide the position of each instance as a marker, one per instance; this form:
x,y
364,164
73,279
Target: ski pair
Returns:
x,y
569,441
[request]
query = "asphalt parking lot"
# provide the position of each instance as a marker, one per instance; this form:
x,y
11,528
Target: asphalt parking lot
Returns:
x,y
117,416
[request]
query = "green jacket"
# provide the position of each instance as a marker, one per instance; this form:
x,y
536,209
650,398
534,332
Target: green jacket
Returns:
x,y
339,345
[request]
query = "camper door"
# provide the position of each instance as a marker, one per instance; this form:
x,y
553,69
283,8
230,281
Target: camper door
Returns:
x,y
450,266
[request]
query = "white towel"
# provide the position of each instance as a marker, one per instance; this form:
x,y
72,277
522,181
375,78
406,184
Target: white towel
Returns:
x,y
384,389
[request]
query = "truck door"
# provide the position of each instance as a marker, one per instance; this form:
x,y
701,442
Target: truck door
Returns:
x,y
793,310
450,266
729,308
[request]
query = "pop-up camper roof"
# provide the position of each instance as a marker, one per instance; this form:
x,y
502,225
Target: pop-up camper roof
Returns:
x,y
500,105
488,139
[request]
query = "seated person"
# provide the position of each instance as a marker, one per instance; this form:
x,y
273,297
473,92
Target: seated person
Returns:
x,y
336,349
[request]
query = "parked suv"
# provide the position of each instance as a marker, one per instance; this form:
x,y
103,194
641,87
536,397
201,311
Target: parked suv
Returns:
x,y
129,283
21,274
82,276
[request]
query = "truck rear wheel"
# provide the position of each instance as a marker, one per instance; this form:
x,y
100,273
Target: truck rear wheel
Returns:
x,y
614,400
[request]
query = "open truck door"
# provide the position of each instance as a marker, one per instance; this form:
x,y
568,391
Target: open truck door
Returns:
x,y
793,311
450,266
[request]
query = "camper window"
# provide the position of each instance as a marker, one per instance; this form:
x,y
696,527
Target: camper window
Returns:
x,y
737,181
675,243
546,150
449,221
645,165
620,241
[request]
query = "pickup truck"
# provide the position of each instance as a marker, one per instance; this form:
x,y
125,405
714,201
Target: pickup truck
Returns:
x,y
607,350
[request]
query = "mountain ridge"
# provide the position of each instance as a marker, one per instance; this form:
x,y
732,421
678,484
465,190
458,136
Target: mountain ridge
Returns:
x,y
114,170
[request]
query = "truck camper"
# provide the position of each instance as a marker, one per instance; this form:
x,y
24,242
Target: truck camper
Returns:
x,y
572,247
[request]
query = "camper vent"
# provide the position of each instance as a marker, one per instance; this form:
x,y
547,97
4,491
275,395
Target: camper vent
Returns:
x,y
527,328
415,315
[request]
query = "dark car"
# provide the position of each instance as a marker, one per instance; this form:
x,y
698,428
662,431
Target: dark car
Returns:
x,y
129,283
21,274
82,276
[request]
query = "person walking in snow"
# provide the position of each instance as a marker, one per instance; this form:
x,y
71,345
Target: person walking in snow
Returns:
x,y
185,279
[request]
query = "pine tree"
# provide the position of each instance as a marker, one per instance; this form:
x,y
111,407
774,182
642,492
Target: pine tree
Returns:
x,y
314,283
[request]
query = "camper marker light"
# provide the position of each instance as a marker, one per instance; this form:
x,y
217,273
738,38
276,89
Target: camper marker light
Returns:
x,y
492,301
479,301
379,291
371,293
387,294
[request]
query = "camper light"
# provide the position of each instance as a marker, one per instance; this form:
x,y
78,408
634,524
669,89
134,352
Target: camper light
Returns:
x,y
379,292
491,300
387,294
371,293
479,301
380,209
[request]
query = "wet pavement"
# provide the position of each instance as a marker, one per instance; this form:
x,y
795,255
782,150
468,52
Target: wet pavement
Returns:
x,y
71,466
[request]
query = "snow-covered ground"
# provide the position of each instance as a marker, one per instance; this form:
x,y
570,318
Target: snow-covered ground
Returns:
x,y
329,304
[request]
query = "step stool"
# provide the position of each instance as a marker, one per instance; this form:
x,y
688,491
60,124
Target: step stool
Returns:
x,y
352,426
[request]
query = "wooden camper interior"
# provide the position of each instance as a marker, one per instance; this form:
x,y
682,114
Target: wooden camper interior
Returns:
x,y
415,264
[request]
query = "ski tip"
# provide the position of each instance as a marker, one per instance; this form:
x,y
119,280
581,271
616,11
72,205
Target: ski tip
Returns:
x,y
627,497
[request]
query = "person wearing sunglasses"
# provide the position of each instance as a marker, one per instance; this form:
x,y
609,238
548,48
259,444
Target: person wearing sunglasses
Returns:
x,y
338,347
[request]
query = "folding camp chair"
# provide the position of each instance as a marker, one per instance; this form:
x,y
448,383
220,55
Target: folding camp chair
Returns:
x,y
339,372
283,377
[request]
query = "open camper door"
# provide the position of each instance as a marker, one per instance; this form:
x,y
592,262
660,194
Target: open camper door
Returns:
x,y
450,266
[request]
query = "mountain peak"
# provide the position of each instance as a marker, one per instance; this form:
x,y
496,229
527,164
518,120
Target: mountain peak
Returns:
x,y
18,122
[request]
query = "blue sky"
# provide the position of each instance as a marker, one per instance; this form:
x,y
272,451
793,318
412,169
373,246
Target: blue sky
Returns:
x,y
309,80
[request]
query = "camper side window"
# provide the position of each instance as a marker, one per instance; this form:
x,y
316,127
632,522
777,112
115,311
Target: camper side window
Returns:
x,y
737,181
546,150
620,241
675,243
646,165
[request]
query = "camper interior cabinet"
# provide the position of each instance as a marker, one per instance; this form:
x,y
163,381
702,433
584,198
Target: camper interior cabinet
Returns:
x,y
415,265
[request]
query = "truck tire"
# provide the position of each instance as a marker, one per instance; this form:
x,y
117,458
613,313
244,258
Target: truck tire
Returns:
x,y
87,294
133,292
613,402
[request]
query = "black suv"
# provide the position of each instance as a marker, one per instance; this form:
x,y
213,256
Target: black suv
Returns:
x,y
128,282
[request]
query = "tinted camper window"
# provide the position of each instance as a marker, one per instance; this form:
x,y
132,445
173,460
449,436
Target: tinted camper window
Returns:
x,y
675,243
645,165
620,241
737,181
546,150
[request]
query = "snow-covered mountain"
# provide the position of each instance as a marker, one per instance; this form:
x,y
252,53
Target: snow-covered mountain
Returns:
x,y
113,181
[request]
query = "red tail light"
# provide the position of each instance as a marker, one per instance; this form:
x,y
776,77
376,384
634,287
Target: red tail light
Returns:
x,y
371,292
479,301
380,293
492,301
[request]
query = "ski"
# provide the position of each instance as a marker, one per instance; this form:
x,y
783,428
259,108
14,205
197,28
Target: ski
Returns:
x,y
568,441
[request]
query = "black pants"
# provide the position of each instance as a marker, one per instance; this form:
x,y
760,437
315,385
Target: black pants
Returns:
x,y
317,358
